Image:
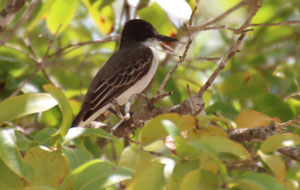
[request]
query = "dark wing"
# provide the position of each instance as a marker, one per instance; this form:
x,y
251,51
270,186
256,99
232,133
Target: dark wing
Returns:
x,y
103,90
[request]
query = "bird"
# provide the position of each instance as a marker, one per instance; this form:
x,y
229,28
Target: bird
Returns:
x,y
126,73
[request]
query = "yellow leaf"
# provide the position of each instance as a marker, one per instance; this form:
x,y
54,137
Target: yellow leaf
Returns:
x,y
275,163
279,141
251,119
104,17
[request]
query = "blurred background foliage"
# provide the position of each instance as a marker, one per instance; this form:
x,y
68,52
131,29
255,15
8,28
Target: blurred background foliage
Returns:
x,y
259,84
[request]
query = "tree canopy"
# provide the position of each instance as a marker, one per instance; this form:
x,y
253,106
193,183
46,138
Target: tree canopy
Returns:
x,y
222,112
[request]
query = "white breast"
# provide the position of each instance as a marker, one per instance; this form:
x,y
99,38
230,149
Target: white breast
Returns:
x,y
142,83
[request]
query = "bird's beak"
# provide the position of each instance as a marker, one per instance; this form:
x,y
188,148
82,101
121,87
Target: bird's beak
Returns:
x,y
166,38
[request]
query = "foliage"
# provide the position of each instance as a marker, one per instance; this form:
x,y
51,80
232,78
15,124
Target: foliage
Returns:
x,y
48,63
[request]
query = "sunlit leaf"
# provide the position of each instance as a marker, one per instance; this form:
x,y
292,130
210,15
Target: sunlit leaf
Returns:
x,y
11,157
95,174
280,141
275,163
81,131
49,165
8,179
42,13
61,14
64,106
134,158
18,106
103,16
148,179
200,179
39,187
221,144
76,157
256,181
163,24
179,172
251,118
154,130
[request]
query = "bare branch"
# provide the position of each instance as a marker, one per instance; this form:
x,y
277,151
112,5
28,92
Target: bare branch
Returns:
x,y
23,19
9,12
181,58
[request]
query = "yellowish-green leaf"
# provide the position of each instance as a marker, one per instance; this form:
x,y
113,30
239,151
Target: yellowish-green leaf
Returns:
x,y
275,163
179,171
40,187
280,141
18,106
10,155
221,144
49,165
206,131
149,179
8,179
134,158
61,14
251,119
64,106
163,24
200,179
154,129
81,131
76,157
103,17
244,85
95,174
42,13
255,181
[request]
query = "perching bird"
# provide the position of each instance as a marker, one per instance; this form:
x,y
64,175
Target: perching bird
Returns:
x,y
127,72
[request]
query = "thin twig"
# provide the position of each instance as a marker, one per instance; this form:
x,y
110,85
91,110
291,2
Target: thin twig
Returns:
x,y
24,18
223,15
80,44
288,22
181,59
191,98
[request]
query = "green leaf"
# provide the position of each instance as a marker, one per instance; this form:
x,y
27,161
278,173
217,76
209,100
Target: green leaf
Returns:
x,y
221,144
280,141
273,106
200,179
76,157
226,109
42,13
149,179
255,181
134,158
244,85
95,174
81,131
179,172
46,136
11,157
18,106
182,148
61,14
64,106
8,179
49,165
207,150
154,129
163,24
